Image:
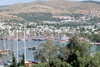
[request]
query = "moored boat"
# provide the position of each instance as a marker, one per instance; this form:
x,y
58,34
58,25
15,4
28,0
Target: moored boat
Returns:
x,y
41,39
63,39
35,52
32,48
4,52
20,55
35,39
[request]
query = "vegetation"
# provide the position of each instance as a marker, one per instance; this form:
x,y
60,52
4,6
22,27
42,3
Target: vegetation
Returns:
x,y
23,60
36,17
94,20
20,64
92,37
68,24
74,54
48,51
13,63
77,15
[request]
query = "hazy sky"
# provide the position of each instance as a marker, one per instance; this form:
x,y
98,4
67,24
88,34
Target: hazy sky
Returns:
x,y
10,2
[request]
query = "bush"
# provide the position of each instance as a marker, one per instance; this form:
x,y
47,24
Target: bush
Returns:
x,y
55,63
64,64
46,65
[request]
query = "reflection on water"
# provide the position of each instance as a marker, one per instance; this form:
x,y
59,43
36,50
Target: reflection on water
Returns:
x,y
97,48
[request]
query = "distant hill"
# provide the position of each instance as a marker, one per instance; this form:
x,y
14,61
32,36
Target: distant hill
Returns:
x,y
54,7
91,2
4,6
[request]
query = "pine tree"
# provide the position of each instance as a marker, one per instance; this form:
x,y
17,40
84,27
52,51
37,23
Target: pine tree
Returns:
x,y
13,62
23,61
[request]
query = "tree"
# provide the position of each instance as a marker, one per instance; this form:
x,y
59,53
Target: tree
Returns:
x,y
48,51
95,61
82,54
64,64
76,52
36,57
55,62
39,65
46,65
74,41
13,62
23,60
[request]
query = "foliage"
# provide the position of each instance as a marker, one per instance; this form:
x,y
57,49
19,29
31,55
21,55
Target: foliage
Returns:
x,y
47,51
95,19
95,61
75,54
55,62
92,37
23,60
39,65
82,55
64,64
36,17
77,16
68,24
46,65
13,62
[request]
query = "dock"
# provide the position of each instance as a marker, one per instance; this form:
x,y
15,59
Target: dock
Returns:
x,y
95,43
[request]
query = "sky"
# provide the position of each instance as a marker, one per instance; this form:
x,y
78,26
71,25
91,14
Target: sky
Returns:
x,y
10,2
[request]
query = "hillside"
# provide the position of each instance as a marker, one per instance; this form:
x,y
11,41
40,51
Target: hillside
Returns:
x,y
4,6
55,7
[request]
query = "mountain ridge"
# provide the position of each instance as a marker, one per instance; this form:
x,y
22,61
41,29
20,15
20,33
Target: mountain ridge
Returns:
x,y
57,7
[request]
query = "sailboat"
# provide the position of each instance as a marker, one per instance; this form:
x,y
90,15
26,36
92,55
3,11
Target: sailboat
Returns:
x,y
24,45
17,45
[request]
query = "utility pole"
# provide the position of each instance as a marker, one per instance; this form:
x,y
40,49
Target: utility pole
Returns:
x,y
6,44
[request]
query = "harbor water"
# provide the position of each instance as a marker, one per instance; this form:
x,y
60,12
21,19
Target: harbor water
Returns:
x,y
29,53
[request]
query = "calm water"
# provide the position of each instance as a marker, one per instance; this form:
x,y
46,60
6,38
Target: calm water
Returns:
x,y
29,53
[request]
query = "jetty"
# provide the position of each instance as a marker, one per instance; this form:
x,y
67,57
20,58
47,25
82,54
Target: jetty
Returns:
x,y
95,43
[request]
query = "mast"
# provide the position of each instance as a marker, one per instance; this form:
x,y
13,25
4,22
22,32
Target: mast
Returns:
x,y
17,44
11,40
24,44
3,50
6,43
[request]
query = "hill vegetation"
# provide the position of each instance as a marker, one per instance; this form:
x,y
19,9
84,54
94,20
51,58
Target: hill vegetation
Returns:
x,y
36,17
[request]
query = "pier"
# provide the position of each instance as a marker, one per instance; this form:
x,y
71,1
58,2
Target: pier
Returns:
x,y
95,43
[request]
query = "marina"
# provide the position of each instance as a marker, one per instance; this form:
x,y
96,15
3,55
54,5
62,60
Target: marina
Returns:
x,y
30,51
